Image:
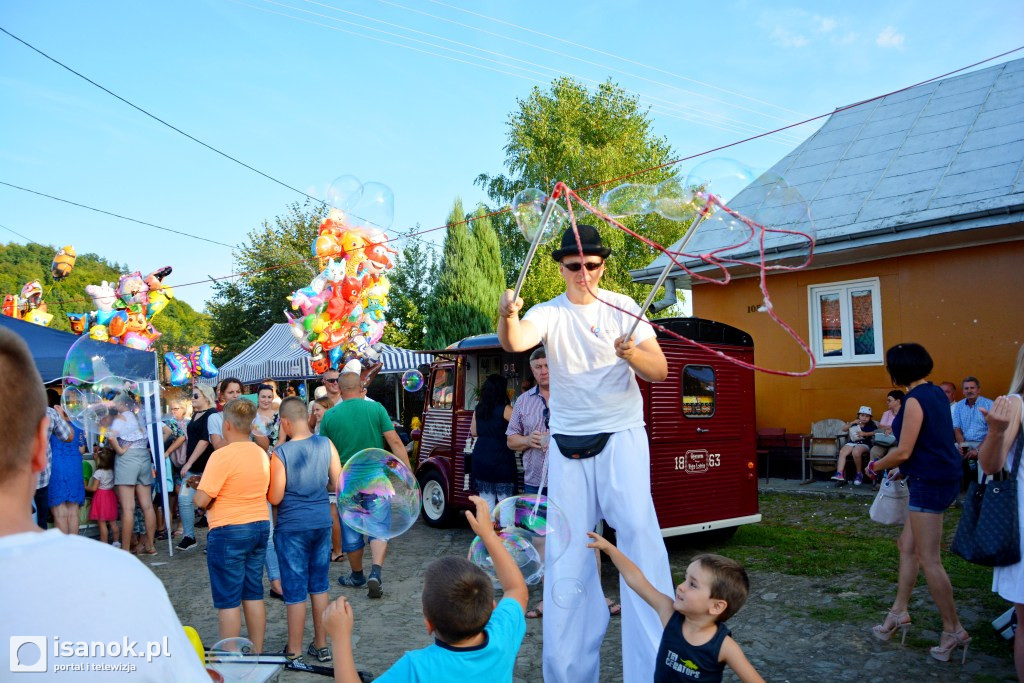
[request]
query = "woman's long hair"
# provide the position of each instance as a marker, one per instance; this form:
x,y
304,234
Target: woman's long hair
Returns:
x,y
492,394
1017,384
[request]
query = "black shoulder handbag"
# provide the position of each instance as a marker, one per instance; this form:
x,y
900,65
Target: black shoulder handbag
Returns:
x,y
989,532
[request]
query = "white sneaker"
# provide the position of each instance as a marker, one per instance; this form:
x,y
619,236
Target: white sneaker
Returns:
x,y
116,544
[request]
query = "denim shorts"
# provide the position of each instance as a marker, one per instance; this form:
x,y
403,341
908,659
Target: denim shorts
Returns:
x,y
234,557
931,496
305,558
352,540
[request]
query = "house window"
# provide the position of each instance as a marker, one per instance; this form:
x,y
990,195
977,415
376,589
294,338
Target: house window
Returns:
x,y
846,322
698,391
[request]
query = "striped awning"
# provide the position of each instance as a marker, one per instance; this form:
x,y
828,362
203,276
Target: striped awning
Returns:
x,y
277,355
399,360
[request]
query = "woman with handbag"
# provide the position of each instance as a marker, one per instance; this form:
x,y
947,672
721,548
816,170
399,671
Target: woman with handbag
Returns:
x,y
929,462
1004,428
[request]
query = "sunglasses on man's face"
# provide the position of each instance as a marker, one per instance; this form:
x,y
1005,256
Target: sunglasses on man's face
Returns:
x,y
590,266
331,381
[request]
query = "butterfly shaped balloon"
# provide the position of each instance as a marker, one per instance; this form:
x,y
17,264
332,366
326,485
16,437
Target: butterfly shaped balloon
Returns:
x,y
184,368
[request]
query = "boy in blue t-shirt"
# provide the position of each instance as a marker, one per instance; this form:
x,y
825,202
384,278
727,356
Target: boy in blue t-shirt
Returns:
x,y
474,638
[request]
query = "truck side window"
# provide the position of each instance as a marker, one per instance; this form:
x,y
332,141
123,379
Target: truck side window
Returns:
x,y
698,391
443,388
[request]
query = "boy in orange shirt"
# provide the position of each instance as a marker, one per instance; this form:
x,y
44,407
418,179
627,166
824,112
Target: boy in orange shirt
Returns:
x,y
234,492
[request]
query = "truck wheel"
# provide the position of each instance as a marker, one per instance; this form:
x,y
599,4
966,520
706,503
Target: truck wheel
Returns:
x,y
437,512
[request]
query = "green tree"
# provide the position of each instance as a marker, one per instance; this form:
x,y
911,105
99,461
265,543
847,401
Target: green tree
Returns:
x,y
454,310
570,134
491,274
275,261
412,286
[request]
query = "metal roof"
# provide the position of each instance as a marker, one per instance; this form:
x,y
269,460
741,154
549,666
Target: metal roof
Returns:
x,y
942,157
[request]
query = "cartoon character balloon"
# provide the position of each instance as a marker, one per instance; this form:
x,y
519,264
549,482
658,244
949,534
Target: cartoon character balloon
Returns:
x,y
63,262
29,305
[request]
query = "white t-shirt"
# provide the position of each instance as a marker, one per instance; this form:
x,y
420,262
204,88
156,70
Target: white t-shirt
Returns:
x,y
109,597
215,424
105,478
592,389
127,428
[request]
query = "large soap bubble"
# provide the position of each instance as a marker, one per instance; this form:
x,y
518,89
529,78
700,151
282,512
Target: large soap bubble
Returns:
x,y
528,208
628,199
232,658
412,380
344,192
722,177
519,546
538,520
377,494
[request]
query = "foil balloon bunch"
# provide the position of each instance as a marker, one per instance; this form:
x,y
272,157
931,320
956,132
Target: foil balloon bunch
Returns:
x,y
124,311
184,368
341,315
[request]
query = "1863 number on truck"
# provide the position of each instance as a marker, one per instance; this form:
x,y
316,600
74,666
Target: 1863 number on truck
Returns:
x,y
697,461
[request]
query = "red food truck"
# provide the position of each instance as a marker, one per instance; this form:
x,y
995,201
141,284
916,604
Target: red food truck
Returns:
x,y
700,424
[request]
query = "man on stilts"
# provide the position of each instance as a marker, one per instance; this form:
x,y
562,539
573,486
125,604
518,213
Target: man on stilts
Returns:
x,y
598,458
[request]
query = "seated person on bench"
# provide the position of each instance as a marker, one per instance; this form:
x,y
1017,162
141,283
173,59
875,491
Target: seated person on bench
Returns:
x,y
860,432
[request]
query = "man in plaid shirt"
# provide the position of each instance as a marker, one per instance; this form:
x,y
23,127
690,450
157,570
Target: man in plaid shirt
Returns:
x,y
60,428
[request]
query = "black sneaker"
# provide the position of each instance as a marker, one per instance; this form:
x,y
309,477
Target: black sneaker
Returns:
x,y
322,654
290,656
185,543
375,586
201,523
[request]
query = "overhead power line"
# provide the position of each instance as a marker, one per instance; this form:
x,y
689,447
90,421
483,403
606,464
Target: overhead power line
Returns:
x,y
664,106
117,215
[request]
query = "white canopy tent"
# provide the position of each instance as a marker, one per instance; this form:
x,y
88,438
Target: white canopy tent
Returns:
x,y
277,355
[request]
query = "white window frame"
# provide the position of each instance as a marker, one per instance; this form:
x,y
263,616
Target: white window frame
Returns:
x,y
843,289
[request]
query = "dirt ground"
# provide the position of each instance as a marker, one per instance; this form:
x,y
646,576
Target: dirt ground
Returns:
x,y
774,629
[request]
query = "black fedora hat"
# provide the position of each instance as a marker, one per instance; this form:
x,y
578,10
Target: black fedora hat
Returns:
x,y
590,239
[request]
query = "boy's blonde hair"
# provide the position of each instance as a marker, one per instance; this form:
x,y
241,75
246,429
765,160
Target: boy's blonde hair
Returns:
x,y
458,598
729,582
240,414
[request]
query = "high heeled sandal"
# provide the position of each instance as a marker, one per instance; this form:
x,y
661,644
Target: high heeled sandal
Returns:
x,y
959,638
893,621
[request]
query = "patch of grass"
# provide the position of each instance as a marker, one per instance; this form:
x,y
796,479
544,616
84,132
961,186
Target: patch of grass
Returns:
x,y
832,538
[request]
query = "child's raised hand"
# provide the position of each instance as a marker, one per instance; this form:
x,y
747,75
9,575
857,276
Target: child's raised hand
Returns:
x,y
338,619
599,542
481,522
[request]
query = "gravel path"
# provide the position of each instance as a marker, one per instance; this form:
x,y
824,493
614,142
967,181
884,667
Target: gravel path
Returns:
x,y
776,629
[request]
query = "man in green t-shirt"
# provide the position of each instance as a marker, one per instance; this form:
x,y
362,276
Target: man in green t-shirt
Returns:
x,y
352,425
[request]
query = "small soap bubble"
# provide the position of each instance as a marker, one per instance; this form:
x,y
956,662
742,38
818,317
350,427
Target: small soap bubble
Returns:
x,y
568,593
412,380
528,209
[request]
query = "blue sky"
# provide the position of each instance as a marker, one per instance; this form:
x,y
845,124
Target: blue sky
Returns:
x,y
307,91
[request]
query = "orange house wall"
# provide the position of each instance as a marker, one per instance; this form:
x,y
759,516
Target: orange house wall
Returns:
x,y
966,306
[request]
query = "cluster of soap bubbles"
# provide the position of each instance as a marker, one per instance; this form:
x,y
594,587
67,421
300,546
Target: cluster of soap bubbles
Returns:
x,y
377,494
94,392
412,380
754,202
532,529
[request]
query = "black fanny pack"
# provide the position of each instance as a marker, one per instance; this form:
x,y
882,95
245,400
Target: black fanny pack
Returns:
x,y
581,447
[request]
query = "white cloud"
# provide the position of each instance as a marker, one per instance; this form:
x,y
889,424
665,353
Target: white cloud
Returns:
x,y
826,24
890,38
784,37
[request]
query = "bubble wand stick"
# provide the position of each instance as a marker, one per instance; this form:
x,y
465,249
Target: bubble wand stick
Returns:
x,y
690,232
548,208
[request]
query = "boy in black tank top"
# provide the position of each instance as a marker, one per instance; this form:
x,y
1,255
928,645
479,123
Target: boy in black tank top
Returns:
x,y
696,645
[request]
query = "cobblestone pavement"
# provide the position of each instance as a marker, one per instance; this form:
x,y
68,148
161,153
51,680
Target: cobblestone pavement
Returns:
x,y
775,630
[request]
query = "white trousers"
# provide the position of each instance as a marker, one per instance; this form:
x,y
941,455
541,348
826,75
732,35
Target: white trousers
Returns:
x,y
615,486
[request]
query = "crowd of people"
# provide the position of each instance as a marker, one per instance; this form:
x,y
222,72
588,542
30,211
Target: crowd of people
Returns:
x,y
258,470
